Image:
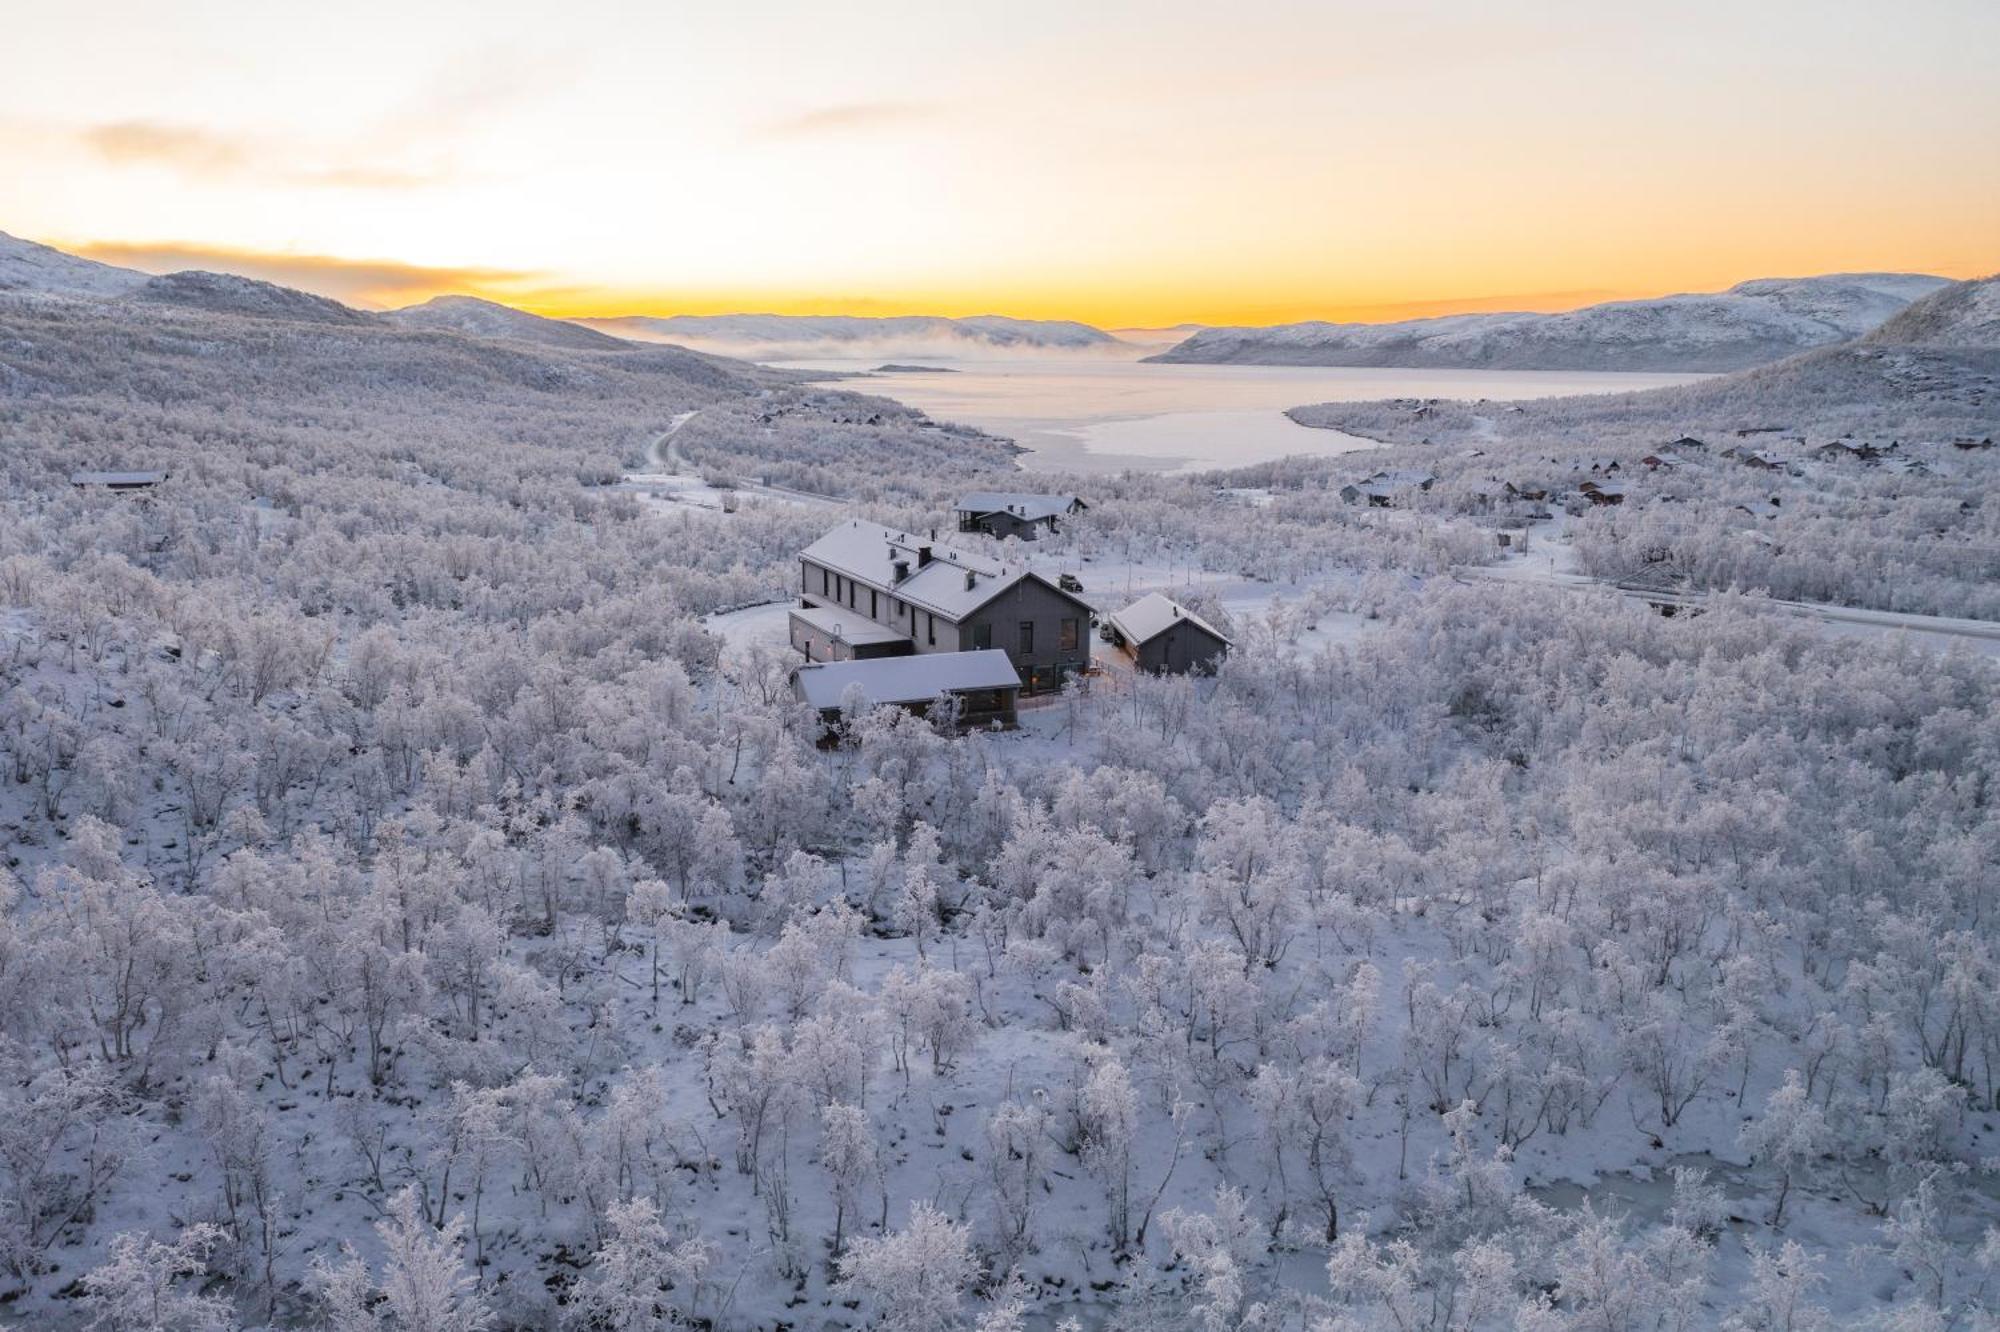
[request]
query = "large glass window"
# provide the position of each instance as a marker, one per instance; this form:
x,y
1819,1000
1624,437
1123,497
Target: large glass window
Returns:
x,y
1069,633
1027,637
982,637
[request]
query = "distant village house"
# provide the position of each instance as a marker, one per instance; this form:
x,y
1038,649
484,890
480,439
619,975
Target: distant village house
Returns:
x,y
1001,514
1383,489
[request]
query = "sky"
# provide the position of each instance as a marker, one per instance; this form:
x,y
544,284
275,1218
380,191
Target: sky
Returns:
x,y
1127,164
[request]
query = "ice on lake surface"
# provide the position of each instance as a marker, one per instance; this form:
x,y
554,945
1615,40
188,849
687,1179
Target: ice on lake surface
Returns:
x,y
1094,413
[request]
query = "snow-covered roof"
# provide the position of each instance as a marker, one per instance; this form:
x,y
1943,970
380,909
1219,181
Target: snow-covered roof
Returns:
x,y
845,626
954,584
1031,507
1399,477
116,478
1152,615
915,679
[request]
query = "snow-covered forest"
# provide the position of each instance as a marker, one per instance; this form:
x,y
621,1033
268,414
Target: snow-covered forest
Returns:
x,y
420,918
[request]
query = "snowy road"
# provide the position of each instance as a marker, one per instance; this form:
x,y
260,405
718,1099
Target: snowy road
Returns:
x,y
1936,631
672,482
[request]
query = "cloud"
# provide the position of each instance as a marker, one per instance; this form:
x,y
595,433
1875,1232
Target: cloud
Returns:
x,y
184,146
850,118
366,282
208,155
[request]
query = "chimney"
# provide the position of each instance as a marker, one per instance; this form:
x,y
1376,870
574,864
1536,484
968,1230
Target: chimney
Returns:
x,y
902,570
923,556
971,580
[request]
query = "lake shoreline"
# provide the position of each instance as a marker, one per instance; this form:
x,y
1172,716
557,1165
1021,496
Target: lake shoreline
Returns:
x,y
1093,415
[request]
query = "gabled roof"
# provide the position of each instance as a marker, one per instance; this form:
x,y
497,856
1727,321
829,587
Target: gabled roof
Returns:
x,y
915,679
1034,508
868,553
1152,615
1400,477
116,478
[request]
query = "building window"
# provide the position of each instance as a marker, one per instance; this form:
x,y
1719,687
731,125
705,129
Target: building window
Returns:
x,y
1069,633
1027,637
824,590
873,612
930,629
982,637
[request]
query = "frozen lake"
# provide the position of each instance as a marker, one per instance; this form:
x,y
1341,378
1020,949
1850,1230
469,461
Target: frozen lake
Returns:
x,y
1096,414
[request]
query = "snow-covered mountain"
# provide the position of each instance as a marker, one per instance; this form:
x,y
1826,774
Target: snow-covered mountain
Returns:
x,y
1966,315
1932,372
26,266
490,319
1750,324
778,337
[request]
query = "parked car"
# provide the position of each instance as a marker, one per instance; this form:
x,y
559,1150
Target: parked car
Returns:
x,y
1069,582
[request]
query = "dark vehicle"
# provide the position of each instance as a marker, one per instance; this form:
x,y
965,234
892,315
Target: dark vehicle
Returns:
x,y
1069,583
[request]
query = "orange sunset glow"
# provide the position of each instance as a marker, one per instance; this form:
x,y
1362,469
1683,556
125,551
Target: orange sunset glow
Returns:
x,y
1122,164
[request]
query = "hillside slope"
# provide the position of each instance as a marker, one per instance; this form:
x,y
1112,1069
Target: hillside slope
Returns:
x,y
226,293
1752,323
28,267
1966,315
490,319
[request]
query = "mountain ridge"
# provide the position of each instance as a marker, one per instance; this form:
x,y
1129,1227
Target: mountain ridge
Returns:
x,y
30,267
1752,323
482,318
777,336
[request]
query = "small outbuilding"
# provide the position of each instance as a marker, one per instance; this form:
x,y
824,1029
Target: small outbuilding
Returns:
x,y
985,685
1164,636
118,483
1005,514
